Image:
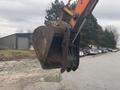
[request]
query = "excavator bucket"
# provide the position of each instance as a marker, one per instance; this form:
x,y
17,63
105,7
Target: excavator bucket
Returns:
x,y
51,44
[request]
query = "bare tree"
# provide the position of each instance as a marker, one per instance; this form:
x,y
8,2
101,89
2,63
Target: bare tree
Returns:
x,y
113,29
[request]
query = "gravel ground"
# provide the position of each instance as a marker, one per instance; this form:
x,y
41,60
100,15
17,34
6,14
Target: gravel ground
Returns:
x,y
27,75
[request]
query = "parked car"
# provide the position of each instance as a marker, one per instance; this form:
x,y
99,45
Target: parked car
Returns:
x,y
109,49
99,51
92,52
81,53
115,50
104,50
85,52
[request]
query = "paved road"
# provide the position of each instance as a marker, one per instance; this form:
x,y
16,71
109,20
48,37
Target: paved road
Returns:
x,y
101,72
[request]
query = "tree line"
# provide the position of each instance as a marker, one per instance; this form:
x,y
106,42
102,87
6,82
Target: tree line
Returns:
x,y
92,33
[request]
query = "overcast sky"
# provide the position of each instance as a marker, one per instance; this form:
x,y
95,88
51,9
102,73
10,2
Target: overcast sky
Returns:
x,y
23,15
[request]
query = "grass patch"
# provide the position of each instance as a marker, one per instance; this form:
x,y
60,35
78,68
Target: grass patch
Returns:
x,y
16,54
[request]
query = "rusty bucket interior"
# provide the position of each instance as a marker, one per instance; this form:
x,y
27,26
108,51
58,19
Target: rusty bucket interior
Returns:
x,y
48,46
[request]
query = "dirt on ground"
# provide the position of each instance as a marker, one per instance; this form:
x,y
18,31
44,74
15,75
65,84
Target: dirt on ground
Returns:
x,y
26,74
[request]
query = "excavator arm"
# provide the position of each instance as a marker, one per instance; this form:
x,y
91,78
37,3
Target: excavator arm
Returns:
x,y
57,43
82,8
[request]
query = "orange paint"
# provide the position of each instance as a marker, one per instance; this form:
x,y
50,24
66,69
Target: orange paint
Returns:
x,y
81,6
79,9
